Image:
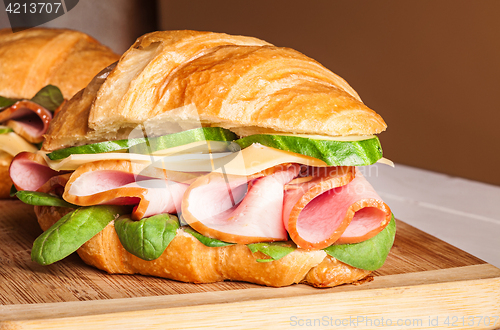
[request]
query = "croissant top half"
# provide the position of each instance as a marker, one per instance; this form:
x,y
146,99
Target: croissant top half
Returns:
x,y
36,57
212,79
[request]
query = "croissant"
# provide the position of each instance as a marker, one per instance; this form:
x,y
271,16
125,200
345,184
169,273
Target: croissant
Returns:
x,y
34,58
186,259
171,81
182,77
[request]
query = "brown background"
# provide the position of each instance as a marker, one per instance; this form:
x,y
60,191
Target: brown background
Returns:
x,y
431,68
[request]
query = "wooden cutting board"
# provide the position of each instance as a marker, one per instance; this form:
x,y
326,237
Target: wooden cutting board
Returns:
x,y
424,284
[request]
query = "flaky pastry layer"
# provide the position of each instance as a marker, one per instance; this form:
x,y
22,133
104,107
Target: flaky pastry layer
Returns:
x,y
176,80
5,181
36,57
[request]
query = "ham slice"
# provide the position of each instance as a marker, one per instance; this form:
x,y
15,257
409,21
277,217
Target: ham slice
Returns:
x,y
239,209
337,207
123,183
27,119
30,171
55,185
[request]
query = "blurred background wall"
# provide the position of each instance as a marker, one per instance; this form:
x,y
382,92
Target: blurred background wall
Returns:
x,y
115,23
431,68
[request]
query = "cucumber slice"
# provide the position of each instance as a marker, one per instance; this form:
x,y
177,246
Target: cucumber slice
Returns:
x,y
164,142
95,148
5,129
148,145
333,153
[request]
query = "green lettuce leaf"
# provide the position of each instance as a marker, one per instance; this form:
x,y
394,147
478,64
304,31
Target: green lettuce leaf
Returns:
x,y
275,250
207,241
49,97
370,254
13,191
148,237
72,231
6,102
41,199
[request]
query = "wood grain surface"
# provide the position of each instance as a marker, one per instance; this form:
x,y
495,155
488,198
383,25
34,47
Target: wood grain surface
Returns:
x,y
422,278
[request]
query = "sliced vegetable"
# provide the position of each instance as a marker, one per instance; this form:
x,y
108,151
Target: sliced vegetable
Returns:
x,y
42,199
182,138
5,129
72,231
95,148
370,254
333,153
275,250
207,241
6,102
13,191
49,97
148,237
148,145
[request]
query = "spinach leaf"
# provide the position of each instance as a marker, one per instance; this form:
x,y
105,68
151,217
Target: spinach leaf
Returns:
x,y
275,250
370,254
6,102
42,199
13,191
148,237
72,231
49,97
207,241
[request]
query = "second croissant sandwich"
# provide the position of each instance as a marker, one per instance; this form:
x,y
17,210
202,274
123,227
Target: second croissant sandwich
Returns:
x,y
39,69
204,157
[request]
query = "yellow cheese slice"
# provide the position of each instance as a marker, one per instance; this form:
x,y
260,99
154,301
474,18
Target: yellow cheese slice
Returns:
x,y
331,138
201,147
386,161
250,160
13,144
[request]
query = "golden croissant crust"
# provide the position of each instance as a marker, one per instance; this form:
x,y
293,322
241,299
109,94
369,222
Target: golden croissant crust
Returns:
x,y
176,80
34,58
186,259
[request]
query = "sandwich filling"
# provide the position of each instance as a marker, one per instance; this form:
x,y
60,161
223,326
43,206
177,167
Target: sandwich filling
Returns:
x,y
290,204
224,140
24,122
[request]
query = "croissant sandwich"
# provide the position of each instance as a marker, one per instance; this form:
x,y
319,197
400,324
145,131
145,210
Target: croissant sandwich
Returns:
x,y
204,157
39,69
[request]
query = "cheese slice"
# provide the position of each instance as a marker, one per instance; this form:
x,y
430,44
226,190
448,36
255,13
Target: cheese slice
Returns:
x,y
250,160
200,147
13,144
348,138
253,159
386,161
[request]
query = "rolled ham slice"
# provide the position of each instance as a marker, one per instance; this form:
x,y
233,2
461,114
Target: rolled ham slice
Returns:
x,y
121,182
55,185
336,207
30,171
27,119
239,209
